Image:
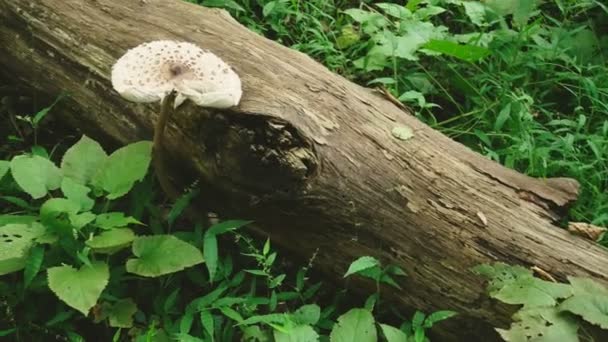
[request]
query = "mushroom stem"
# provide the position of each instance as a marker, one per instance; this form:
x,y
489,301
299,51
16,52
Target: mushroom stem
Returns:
x,y
157,148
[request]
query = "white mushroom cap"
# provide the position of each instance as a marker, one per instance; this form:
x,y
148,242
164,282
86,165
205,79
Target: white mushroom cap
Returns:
x,y
150,71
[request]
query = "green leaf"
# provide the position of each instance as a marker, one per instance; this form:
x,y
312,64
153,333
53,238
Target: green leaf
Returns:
x,y
162,254
43,112
418,319
438,316
207,322
114,220
503,116
301,333
361,264
123,168
15,243
56,214
231,4
80,288
35,175
307,314
120,314
181,204
465,52
394,10
4,167
81,220
111,241
541,325
393,334
355,325
516,285
77,193
533,292
476,11
83,160
232,314
348,37
370,21
22,219
210,242
32,264
590,301
7,332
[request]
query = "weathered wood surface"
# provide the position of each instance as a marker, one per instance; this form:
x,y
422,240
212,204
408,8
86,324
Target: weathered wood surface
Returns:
x,y
307,154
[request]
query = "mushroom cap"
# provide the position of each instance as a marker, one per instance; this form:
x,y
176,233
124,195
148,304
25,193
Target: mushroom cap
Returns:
x,y
150,71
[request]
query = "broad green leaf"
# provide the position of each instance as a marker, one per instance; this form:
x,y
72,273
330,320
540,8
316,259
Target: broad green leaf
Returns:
x,y
80,288
35,175
77,193
590,301
32,264
21,219
370,21
394,10
361,264
465,52
162,254
120,314
111,241
501,274
541,325
476,11
348,37
4,167
210,242
355,325
301,333
393,334
429,11
81,161
15,243
533,292
114,220
123,168
81,220
55,214
254,333
524,11
307,314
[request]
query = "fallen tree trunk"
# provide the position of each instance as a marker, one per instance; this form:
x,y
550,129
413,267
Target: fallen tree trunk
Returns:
x,y
308,155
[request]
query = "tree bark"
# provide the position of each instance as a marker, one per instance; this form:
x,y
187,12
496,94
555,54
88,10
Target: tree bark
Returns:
x,y
307,154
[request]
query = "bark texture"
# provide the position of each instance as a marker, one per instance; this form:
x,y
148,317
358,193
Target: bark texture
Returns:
x,y
307,154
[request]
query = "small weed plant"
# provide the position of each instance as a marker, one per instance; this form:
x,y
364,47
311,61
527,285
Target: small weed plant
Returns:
x,y
86,254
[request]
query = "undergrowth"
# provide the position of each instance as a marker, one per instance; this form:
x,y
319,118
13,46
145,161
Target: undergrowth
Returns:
x,y
525,83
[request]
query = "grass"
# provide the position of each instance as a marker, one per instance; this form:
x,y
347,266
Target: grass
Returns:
x,y
527,86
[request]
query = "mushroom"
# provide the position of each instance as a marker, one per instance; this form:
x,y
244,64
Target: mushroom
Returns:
x,y
171,71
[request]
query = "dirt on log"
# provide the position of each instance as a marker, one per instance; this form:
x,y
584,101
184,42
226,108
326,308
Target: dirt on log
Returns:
x,y
308,155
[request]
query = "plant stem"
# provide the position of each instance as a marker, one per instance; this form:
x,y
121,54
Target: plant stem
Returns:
x,y
157,148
